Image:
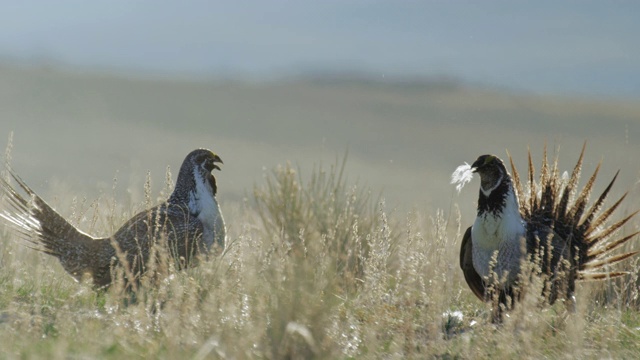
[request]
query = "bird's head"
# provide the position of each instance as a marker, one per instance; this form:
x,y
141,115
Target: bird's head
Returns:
x,y
204,160
196,167
492,172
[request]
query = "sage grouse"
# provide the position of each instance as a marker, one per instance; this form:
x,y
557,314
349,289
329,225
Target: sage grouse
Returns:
x,y
549,225
190,222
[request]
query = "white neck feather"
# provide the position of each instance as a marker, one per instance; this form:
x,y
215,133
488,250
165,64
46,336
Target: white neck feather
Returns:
x,y
204,203
501,232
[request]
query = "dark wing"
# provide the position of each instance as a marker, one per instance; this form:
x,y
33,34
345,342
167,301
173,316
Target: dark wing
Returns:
x,y
184,234
165,222
466,264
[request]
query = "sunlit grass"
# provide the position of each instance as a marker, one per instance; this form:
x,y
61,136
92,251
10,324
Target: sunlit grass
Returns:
x,y
315,267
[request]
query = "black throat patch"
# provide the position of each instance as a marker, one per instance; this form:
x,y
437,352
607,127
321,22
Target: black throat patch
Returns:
x,y
212,182
497,199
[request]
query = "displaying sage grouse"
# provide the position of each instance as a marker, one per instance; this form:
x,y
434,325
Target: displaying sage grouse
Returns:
x,y
549,224
189,223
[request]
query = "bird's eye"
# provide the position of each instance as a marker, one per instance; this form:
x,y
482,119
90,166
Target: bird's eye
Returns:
x,y
202,160
207,164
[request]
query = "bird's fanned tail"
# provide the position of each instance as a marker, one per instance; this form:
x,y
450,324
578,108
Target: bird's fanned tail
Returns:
x,y
553,201
39,225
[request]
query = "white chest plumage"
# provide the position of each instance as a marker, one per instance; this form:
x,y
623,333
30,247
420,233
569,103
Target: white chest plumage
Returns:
x,y
503,233
203,202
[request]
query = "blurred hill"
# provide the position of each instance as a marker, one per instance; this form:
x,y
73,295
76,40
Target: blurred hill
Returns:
x,y
404,137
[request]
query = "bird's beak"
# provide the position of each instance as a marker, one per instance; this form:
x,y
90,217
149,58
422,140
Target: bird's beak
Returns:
x,y
475,166
216,159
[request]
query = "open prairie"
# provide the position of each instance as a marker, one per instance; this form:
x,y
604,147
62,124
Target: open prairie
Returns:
x,y
403,139
86,142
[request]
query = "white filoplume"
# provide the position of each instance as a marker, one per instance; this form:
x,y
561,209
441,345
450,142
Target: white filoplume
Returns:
x,y
461,176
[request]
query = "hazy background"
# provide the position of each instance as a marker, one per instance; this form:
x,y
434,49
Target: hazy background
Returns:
x,y
579,47
412,89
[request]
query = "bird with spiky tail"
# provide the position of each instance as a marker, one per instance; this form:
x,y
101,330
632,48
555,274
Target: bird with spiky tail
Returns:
x,y
550,225
189,224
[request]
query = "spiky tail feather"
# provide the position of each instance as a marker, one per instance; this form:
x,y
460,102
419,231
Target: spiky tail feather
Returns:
x,y
41,227
553,202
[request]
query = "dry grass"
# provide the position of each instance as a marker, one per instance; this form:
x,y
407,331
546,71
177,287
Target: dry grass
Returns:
x,y
284,289
316,265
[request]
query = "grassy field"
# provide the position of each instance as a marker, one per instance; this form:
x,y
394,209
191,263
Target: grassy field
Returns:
x,y
340,273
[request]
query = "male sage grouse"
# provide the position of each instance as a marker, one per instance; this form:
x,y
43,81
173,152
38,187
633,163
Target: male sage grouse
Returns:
x,y
189,223
548,225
